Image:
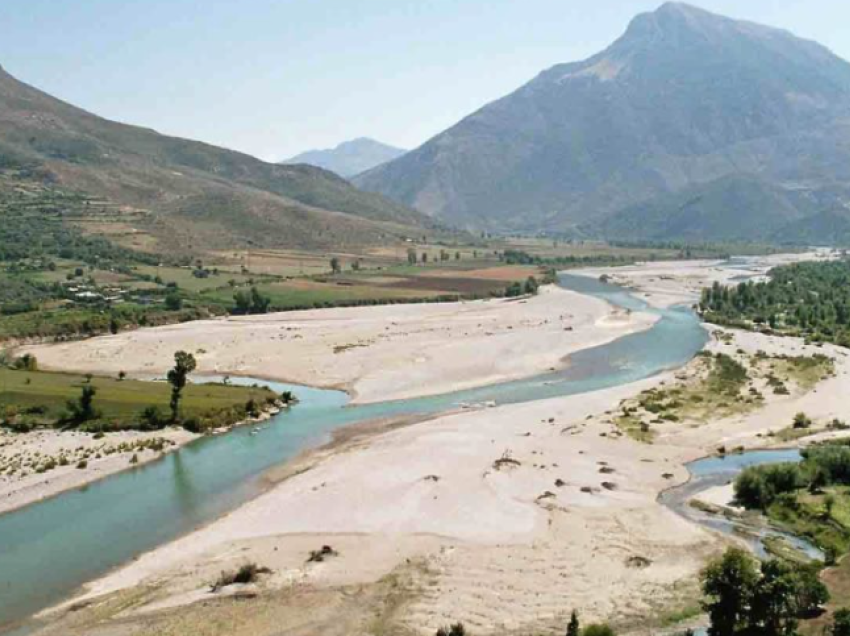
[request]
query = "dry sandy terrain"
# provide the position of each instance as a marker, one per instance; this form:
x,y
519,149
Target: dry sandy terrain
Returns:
x,y
505,544
376,353
505,518
664,284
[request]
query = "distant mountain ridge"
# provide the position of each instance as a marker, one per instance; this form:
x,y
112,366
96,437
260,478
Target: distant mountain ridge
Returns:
x,y
182,192
350,157
684,101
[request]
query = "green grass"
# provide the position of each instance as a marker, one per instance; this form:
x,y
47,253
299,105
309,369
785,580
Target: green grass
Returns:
x,y
805,515
120,402
186,280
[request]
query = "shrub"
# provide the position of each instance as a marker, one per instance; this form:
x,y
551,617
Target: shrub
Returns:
x,y
598,629
152,418
453,630
248,573
758,486
801,420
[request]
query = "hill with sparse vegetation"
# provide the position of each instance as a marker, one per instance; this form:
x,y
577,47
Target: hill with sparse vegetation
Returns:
x,y
157,193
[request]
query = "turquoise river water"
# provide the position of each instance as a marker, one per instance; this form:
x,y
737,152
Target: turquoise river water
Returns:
x,y
51,548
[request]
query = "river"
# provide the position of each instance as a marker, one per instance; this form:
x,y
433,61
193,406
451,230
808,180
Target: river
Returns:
x,y
51,548
710,472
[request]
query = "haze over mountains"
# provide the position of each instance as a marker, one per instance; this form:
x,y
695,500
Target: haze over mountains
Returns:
x,y
182,192
691,125
350,157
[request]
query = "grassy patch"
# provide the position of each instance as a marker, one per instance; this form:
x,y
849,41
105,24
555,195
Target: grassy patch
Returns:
x,y
40,398
806,515
722,386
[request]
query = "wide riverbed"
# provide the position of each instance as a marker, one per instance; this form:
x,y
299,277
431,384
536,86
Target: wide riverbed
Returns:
x,y
49,549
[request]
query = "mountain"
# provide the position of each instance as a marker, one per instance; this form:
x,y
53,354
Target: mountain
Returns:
x,y
728,209
350,157
682,100
826,228
182,193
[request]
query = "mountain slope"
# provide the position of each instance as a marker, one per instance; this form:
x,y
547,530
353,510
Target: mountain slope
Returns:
x,y
826,228
733,208
684,97
350,157
177,188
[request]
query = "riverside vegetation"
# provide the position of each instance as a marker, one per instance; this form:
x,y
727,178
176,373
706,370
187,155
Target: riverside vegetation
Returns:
x,y
810,499
720,385
810,300
32,399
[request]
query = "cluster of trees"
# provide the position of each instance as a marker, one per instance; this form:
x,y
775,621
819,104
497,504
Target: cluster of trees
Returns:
x,y
748,598
250,302
34,227
806,299
758,487
519,257
529,287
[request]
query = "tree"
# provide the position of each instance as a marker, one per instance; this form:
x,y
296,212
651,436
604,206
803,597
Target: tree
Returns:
x,y
773,609
259,303
573,626
243,302
531,286
729,584
336,268
83,409
454,630
514,290
26,362
411,256
828,505
173,302
841,623
598,629
152,419
250,302
811,593
184,364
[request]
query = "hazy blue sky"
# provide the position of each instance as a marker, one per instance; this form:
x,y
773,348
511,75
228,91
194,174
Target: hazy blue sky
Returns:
x,y
274,77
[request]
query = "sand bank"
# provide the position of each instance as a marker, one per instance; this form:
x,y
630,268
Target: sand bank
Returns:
x,y
376,353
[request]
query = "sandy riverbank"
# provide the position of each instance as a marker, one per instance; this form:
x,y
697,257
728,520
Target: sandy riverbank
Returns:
x,y
78,458
505,518
87,458
376,353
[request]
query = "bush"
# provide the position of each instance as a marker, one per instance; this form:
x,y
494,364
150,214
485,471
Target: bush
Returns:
x,y
248,573
758,486
153,419
801,420
453,630
598,629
